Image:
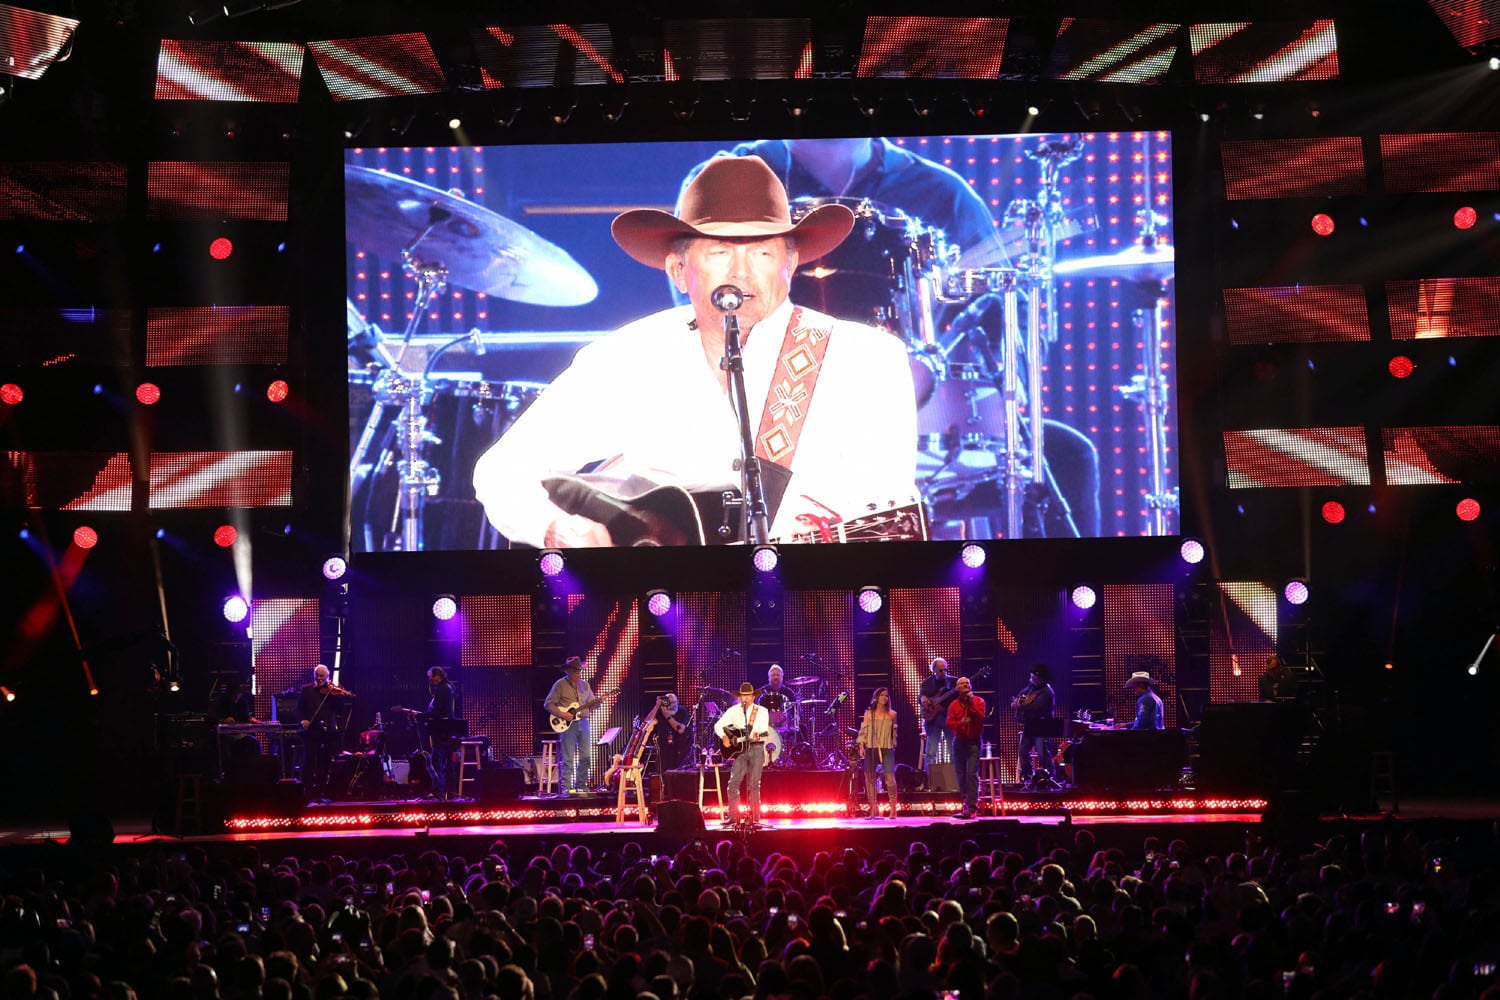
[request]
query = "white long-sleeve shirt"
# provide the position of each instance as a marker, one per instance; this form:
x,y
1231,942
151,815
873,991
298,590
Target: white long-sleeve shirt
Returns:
x,y
647,396
755,720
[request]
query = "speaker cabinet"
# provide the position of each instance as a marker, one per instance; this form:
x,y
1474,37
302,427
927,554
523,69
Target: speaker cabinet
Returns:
x,y
499,785
679,818
940,778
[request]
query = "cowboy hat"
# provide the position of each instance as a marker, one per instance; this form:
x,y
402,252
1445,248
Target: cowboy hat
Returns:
x,y
732,196
747,688
571,664
1140,676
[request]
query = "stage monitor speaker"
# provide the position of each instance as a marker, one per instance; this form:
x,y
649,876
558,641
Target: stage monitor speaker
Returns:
x,y
940,778
679,818
501,784
1129,760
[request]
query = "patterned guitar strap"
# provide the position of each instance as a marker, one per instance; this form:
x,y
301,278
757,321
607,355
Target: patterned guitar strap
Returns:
x,y
787,403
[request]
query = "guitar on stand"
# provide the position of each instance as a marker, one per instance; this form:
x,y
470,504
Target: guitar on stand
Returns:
x,y
578,710
936,707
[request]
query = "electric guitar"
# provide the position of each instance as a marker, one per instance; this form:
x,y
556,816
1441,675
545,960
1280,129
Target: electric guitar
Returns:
x,y
639,512
936,707
580,710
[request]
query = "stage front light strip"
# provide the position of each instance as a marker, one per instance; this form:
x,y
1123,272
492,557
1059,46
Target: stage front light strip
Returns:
x,y
1444,307
178,191
964,48
65,480
1296,456
220,479
217,335
62,192
1293,168
188,70
1096,51
1264,51
85,335
1441,161
1423,456
378,66
1296,314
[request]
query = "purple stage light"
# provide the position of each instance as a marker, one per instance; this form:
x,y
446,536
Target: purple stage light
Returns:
x,y
551,562
765,558
870,600
235,609
658,602
444,608
1084,597
972,555
1191,551
1296,592
334,567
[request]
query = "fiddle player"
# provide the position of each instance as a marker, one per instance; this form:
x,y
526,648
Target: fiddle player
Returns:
x,y
1034,703
315,714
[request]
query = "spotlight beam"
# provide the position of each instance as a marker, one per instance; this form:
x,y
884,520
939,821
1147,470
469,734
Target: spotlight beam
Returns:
x,y
1474,667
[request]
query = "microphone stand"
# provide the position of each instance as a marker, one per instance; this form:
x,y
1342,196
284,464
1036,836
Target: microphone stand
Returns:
x,y
759,526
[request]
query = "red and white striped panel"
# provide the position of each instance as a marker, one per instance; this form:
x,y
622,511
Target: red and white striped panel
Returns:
x,y
378,66
1296,456
189,70
1264,51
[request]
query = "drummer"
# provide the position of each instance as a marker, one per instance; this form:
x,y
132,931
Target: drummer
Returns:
x,y
832,400
779,700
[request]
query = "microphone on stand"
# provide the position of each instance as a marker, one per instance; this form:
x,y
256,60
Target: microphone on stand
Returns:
x,y
727,298
843,697
478,341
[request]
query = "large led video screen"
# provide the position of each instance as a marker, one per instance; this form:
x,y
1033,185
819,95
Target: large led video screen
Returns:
x,y
938,337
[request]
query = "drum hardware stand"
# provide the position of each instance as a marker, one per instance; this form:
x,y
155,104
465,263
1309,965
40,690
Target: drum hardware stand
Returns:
x,y
728,299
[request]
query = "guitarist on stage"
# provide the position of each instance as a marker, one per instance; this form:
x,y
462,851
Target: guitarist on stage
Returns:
x,y
743,730
935,714
1033,703
571,699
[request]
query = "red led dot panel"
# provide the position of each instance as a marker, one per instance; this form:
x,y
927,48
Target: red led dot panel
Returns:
x,y
1264,51
821,623
1296,314
715,49
1471,22
65,480
1417,456
1444,307
933,47
221,479
606,633
1296,456
529,55
285,647
179,191
1242,633
1088,49
228,71
62,192
1293,168
1441,161
72,336
217,335
1140,633
924,624
709,624
378,66
31,41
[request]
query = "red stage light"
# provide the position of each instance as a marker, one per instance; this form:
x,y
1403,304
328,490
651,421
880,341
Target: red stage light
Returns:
x,y
221,248
85,537
1401,366
225,535
277,391
11,394
1468,509
1333,512
1465,218
1322,224
148,393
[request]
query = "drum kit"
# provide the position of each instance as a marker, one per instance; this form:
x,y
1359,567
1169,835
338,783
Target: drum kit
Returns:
x,y
441,238
979,388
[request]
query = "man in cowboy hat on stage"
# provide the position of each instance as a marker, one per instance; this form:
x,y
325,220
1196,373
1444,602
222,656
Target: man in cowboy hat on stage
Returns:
x,y
1148,711
831,405
753,723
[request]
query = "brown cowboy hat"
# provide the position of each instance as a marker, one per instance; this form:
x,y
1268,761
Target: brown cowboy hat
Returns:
x,y
732,196
747,688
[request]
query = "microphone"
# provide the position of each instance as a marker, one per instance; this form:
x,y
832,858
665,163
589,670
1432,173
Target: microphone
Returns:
x,y
970,316
727,298
836,703
479,348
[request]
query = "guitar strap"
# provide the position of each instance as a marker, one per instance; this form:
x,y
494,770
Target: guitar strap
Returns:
x,y
787,403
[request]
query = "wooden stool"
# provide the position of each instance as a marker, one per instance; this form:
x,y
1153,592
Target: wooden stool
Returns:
x,y
189,803
469,760
716,786
630,778
991,789
548,776
1383,779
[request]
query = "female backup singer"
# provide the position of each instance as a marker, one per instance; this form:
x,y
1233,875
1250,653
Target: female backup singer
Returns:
x,y
877,748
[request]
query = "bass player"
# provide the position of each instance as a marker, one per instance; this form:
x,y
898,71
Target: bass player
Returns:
x,y
743,731
938,740
570,701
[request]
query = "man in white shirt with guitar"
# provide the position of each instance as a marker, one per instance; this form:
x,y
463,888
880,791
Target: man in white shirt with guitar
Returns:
x,y
569,704
743,731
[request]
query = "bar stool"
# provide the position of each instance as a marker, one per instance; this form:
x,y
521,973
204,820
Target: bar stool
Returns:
x,y
189,803
631,780
715,763
547,775
469,760
991,788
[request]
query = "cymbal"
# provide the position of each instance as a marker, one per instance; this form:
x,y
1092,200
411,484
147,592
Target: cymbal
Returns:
x,y
800,681
389,214
814,701
1136,263
719,691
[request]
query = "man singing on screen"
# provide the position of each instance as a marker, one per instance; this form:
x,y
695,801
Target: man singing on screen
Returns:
x,y
831,405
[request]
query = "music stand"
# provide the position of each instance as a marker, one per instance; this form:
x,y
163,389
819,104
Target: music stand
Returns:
x,y
608,738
